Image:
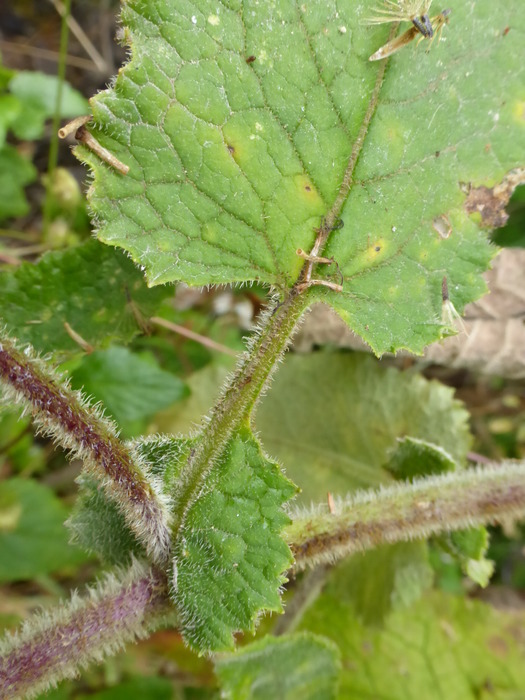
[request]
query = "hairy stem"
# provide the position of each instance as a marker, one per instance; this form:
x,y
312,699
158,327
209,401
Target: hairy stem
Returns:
x,y
63,413
125,608
55,646
238,398
409,511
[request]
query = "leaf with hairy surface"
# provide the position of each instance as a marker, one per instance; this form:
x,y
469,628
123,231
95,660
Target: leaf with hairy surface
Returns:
x,y
234,162
97,291
229,557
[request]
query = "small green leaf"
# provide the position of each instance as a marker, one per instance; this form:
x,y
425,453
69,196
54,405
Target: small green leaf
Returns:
x,y
332,419
413,457
302,666
15,173
96,290
229,557
130,388
33,539
443,647
469,547
96,523
233,163
37,92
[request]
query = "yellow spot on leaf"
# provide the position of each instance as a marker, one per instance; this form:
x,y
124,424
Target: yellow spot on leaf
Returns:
x,y
306,191
214,20
375,249
519,111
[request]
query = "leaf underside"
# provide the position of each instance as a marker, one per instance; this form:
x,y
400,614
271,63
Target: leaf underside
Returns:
x,y
233,162
334,419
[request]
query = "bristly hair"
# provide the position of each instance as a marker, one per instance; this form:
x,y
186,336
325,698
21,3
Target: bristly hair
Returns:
x,y
398,11
84,431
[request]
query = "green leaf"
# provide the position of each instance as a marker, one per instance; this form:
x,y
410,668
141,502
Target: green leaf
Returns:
x,y
234,162
15,173
96,290
383,579
413,457
97,525
130,388
33,539
38,92
469,547
443,647
302,666
229,557
332,419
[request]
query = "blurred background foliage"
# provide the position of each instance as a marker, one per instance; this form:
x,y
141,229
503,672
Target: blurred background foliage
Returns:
x,y
176,344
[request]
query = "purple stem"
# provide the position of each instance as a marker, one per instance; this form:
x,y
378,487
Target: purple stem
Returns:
x,y
57,645
60,411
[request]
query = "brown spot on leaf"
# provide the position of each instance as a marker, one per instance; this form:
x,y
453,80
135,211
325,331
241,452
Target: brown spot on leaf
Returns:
x,y
308,188
250,59
490,202
506,31
231,149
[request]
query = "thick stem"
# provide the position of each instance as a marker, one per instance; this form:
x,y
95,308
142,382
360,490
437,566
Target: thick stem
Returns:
x,y
240,395
59,643
56,645
63,414
409,511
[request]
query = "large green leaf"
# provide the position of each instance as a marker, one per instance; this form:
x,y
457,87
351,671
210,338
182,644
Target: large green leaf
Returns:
x,y
33,539
238,123
97,291
443,647
229,557
297,666
333,418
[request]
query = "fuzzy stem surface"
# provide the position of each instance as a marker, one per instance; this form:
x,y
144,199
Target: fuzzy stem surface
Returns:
x,y
408,511
56,645
76,426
